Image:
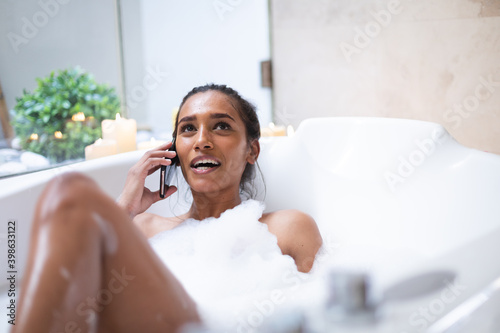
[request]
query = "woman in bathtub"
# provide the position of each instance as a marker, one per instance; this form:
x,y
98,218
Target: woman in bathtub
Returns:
x,y
90,267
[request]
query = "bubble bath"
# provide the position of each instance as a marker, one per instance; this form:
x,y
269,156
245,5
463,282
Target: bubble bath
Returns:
x,y
228,264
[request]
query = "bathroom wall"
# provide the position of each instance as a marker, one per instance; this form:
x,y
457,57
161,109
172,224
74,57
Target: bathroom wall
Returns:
x,y
195,42
42,36
431,60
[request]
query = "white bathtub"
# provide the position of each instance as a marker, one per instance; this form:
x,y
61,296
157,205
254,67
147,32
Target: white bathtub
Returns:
x,y
392,197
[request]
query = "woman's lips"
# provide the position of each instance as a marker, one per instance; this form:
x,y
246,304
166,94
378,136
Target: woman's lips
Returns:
x,y
204,170
204,164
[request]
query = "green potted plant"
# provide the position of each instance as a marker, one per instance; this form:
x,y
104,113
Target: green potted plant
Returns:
x,y
63,114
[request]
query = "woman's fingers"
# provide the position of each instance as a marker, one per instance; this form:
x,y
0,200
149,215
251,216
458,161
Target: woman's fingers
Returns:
x,y
165,146
158,153
154,164
135,197
169,191
152,160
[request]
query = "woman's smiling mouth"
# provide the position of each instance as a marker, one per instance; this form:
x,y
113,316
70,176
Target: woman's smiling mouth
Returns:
x,y
204,164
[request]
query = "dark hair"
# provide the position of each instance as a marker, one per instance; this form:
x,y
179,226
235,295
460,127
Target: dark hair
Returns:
x,y
247,113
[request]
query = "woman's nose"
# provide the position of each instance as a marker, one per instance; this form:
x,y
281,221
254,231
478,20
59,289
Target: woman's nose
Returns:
x,y
203,140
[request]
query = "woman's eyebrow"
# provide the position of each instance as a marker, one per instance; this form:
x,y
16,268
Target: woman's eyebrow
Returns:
x,y
187,118
213,116
221,115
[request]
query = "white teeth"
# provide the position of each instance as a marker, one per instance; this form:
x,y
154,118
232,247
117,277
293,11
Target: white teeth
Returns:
x,y
207,161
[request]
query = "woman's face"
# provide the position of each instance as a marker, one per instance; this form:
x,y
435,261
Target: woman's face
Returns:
x,y
211,143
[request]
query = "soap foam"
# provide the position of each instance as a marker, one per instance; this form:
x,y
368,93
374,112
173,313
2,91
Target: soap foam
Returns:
x,y
227,264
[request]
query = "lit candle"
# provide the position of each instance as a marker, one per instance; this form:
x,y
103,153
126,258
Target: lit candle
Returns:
x,y
266,131
80,116
100,148
151,144
122,130
273,130
279,130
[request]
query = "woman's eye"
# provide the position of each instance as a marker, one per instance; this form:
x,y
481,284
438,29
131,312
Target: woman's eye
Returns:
x,y
222,126
187,128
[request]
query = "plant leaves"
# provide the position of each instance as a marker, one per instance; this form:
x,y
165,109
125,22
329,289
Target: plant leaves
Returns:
x,y
50,106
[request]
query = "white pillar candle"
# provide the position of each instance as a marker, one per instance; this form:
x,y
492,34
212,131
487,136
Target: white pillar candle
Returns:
x,y
273,130
100,148
151,144
122,130
278,130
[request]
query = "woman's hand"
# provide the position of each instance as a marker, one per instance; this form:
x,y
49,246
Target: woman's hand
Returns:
x,y
135,197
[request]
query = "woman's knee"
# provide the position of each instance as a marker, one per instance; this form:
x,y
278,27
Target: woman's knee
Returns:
x,y
70,190
70,181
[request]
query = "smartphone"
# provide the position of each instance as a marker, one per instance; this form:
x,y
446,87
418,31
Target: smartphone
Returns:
x,y
167,172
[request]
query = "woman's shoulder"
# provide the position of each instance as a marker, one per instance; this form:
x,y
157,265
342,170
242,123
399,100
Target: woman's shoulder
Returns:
x,y
286,217
151,224
289,222
297,233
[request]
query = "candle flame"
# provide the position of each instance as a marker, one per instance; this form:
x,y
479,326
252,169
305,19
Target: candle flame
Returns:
x,y
118,117
34,136
80,116
58,135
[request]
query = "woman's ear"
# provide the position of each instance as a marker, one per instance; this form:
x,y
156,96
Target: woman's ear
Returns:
x,y
254,151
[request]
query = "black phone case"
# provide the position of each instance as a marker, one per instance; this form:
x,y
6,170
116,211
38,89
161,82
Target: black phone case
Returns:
x,y
167,172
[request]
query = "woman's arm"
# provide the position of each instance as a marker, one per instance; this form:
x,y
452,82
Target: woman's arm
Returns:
x,y
298,236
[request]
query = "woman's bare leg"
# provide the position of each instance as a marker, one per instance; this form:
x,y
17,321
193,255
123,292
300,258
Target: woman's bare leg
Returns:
x,y
91,270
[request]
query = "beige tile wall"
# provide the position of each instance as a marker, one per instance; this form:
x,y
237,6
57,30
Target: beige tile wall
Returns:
x,y
433,60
